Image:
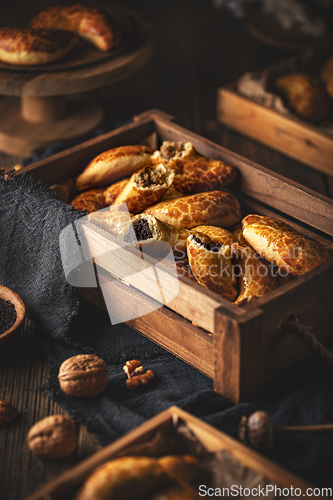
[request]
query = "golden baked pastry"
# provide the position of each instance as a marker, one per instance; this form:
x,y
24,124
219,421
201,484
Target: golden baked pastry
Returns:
x,y
183,269
89,23
217,234
146,229
129,478
145,188
306,95
125,478
172,193
327,69
111,193
194,173
280,244
116,222
211,265
255,278
89,200
215,208
30,47
225,240
177,492
113,165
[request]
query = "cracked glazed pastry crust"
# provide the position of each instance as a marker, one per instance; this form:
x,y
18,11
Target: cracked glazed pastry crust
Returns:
x,y
30,47
215,208
211,265
255,278
113,165
280,244
147,230
89,23
145,188
89,200
128,478
194,173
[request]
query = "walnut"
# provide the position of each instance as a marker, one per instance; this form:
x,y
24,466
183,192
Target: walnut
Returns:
x,y
257,430
53,437
133,367
83,376
8,413
136,375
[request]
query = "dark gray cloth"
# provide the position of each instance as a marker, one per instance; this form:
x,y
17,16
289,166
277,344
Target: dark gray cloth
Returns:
x,y
31,219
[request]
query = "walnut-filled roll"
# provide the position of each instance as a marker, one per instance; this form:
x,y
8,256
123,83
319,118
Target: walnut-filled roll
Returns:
x,y
214,208
145,188
280,244
194,173
113,165
211,265
116,222
255,278
147,230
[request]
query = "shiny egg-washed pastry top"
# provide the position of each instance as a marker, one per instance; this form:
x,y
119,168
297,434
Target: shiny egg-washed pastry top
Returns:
x,y
30,47
280,244
111,193
113,165
91,200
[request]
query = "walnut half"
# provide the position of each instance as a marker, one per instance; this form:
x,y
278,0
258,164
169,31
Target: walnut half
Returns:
x,y
136,375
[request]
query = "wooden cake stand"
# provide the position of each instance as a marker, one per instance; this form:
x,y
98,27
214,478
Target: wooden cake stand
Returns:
x,y
44,103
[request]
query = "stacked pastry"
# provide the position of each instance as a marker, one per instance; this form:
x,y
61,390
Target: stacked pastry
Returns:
x,y
175,195
54,32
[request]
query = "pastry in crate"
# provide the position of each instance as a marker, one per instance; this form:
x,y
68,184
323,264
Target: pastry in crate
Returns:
x,y
94,25
195,226
306,95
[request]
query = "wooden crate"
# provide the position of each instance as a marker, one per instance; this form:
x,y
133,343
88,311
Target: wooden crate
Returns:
x,y
289,135
213,440
238,347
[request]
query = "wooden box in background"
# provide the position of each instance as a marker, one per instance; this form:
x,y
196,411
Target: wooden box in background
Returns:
x,y
289,135
237,347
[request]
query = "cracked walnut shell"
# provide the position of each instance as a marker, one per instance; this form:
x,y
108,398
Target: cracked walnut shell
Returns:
x,y
53,437
85,376
8,413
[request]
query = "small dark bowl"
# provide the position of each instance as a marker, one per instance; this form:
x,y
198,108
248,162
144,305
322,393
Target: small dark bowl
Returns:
x,y
9,335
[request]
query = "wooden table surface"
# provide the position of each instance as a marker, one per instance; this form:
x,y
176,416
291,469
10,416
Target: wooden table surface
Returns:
x,y
196,48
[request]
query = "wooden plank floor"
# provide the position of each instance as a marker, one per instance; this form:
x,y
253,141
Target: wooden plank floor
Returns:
x,y
196,48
